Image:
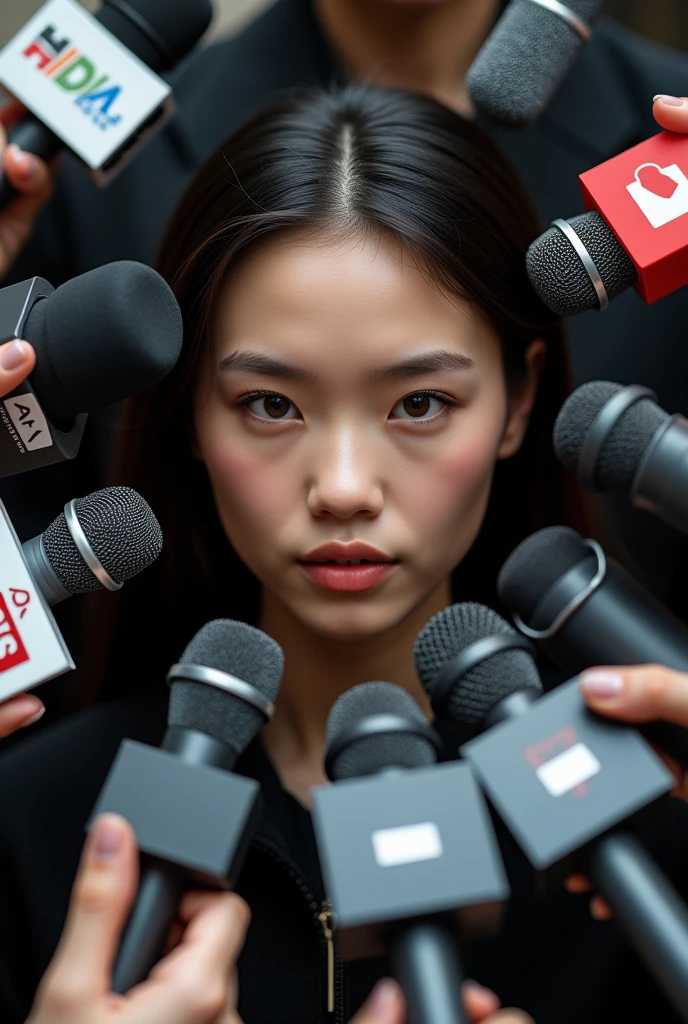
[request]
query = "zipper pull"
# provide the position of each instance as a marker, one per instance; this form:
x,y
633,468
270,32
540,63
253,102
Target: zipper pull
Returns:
x,y
325,918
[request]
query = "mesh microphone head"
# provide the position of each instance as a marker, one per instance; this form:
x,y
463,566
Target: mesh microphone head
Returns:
x,y
475,693
536,564
238,650
525,59
123,533
557,273
626,443
374,753
159,32
102,337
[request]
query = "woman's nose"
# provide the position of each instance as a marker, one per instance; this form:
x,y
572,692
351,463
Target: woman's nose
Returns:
x,y
345,478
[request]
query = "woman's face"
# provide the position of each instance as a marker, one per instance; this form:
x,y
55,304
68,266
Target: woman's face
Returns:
x,y
351,412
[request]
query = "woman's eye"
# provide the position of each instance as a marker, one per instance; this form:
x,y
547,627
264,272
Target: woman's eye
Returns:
x,y
422,405
272,407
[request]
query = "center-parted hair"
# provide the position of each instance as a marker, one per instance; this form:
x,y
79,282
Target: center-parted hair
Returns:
x,y
354,160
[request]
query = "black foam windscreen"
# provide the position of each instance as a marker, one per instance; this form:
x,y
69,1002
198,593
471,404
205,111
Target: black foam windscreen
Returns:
x,y
236,649
158,32
102,337
524,60
625,444
536,564
123,533
558,275
374,753
476,692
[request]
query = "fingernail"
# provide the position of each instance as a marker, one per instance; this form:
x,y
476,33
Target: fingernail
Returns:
x,y
107,838
382,998
602,684
28,163
12,355
34,717
474,987
669,101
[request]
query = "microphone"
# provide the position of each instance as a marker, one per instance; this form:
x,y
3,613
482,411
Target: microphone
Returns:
x,y
633,234
97,542
527,56
618,439
585,609
132,314
407,848
571,787
91,82
194,818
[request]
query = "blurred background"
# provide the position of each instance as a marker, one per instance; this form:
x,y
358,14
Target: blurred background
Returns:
x,y
663,20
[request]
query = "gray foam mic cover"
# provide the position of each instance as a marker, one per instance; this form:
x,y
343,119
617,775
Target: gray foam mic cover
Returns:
x,y
625,444
238,650
475,692
160,32
525,59
536,564
558,275
102,337
122,531
376,752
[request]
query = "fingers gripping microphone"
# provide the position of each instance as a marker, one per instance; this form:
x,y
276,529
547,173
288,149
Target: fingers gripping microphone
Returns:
x,y
193,818
618,438
72,75
584,609
408,852
98,541
568,784
527,56
99,338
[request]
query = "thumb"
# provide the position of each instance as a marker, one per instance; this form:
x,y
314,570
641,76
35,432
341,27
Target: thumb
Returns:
x,y
385,1005
17,360
101,898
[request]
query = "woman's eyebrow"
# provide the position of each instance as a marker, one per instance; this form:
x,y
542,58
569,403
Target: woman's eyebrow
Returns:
x,y
427,362
267,366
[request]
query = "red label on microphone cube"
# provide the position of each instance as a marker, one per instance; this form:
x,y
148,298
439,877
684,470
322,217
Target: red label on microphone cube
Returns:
x,y
643,196
12,650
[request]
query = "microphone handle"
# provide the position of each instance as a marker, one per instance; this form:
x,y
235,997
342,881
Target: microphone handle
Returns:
x,y
621,623
160,891
650,911
428,967
32,136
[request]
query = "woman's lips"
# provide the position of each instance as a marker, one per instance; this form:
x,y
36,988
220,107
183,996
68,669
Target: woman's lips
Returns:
x,y
351,578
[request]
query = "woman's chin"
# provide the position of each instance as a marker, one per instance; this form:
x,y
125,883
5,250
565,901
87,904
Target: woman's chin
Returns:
x,y
355,623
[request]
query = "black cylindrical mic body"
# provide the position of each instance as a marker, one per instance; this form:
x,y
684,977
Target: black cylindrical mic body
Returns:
x,y
544,750
618,622
158,32
618,438
176,796
527,56
401,840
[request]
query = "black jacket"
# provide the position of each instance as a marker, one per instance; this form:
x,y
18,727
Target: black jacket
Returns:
x,y
603,107
552,959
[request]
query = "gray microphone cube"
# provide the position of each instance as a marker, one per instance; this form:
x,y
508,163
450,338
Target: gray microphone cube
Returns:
x,y
561,777
403,846
200,818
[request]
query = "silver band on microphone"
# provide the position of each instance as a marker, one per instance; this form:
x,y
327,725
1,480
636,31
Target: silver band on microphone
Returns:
x,y
574,604
223,681
567,15
84,548
584,256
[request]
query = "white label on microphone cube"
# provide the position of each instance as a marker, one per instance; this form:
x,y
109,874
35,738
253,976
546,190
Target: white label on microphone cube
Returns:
x,y
31,647
80,81
568,770
29,422
407,844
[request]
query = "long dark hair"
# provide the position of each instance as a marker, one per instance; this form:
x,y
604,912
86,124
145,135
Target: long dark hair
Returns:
x,y
358,159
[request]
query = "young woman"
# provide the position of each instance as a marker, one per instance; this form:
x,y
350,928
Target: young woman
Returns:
x,y
367,379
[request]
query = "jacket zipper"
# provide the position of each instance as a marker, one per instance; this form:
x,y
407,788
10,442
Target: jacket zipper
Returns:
x,y
322,915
